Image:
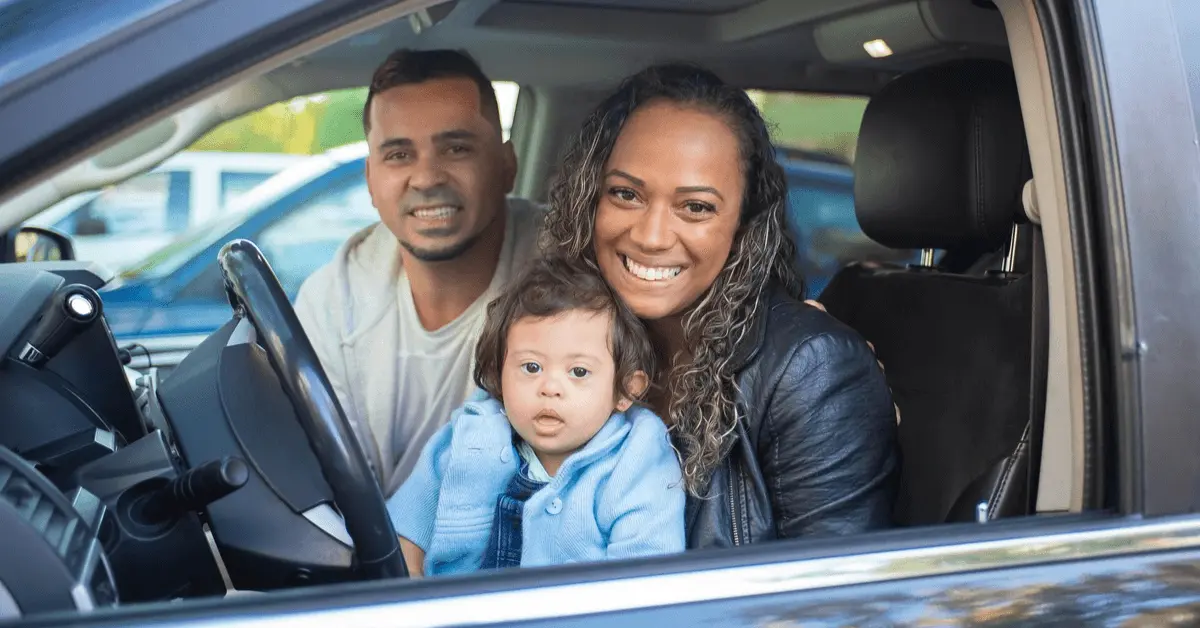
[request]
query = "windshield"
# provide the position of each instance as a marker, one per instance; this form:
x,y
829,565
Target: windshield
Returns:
x,y
34,33
167,259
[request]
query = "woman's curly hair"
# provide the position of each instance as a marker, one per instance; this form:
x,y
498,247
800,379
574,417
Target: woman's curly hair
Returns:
x,y
702,413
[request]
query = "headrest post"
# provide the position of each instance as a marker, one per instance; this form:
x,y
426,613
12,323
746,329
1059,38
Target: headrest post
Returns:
x,y
1010,258
927,258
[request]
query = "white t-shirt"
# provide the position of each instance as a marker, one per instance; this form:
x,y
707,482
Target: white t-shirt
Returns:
x,y
397,382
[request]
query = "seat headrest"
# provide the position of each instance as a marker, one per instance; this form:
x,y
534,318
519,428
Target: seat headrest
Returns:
x,y
942,159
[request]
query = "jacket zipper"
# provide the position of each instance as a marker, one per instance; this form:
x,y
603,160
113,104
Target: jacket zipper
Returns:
x,y
733,513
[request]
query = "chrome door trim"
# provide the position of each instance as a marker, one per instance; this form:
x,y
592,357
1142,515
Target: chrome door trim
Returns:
x,y
641,592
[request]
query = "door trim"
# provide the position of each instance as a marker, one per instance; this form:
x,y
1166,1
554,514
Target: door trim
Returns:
x,y
559,599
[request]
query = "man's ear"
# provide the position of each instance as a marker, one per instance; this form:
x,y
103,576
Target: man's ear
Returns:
x,y
636,384
367,176
509,155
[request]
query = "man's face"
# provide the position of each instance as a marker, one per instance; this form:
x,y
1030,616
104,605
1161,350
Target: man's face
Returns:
x,y
438,168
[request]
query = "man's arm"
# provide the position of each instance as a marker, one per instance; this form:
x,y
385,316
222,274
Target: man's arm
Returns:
x,y
317,307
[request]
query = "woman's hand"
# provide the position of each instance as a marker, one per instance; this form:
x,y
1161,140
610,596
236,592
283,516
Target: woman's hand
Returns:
x,y
817,304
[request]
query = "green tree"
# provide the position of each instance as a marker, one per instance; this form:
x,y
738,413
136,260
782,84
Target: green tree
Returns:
x,y
306,125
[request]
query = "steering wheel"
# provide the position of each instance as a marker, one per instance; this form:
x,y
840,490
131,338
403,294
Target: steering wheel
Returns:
x,y
254,292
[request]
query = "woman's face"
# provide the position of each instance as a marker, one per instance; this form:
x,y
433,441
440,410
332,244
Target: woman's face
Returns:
x,y
669,208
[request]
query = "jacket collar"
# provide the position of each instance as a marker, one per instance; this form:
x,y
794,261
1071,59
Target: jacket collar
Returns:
x,y
756,333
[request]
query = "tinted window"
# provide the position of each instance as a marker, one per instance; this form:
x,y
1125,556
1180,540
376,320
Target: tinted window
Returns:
x,y
34,33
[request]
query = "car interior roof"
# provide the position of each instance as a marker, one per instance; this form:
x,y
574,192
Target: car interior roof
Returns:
x,y
769,44
585,47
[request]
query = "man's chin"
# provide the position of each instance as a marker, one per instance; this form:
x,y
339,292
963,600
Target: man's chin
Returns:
x,y
442,252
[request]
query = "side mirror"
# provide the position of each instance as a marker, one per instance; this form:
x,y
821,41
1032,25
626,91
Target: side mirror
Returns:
x,y
35,244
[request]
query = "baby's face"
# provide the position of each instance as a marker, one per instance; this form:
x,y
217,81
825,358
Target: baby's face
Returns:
x,y
557,381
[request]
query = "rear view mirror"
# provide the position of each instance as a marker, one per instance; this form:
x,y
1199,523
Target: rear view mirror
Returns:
x,y
35,244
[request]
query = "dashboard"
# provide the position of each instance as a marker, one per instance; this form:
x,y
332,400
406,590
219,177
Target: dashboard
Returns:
x,y
118,486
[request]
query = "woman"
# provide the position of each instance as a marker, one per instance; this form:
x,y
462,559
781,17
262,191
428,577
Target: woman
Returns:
x,y
781,414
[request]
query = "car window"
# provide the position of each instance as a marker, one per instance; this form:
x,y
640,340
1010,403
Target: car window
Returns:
x,y
302,239
309,235
815,136
235,184
822,220
153,203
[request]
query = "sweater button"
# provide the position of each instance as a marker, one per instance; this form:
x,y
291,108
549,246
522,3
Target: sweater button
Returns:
x,y
555,506
506,455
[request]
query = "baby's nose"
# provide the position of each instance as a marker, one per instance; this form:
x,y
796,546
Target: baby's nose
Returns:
x,y
550,388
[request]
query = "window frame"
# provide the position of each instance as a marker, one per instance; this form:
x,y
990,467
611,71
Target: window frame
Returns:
x,y
817,566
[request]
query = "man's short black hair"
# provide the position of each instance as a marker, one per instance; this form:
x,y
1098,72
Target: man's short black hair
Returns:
x,y
407,67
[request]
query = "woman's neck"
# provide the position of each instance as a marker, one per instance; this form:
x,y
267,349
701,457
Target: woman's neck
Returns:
x,y
670,346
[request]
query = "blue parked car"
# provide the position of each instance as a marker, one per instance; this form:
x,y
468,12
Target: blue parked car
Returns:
x,y
300,217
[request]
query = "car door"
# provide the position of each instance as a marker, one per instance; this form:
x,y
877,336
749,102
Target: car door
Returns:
x,y
1131,187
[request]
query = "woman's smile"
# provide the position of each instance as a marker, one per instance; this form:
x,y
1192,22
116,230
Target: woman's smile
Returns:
x,y
660,274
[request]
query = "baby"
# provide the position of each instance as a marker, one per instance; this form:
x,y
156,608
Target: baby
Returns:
x,y
551,462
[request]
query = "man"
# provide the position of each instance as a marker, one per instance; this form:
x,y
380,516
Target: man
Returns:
x,y
395,316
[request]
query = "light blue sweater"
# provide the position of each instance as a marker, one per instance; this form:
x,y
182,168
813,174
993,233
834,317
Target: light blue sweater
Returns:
x,y
620,496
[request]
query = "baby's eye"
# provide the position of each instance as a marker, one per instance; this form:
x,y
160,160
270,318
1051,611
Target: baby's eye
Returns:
x,y
579,372
532,368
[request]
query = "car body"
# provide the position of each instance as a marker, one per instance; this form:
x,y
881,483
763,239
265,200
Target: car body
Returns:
x,y
177,291
1110,92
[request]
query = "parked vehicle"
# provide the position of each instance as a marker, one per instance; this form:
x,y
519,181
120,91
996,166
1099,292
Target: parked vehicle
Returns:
x,y
115,225
128,499
298,218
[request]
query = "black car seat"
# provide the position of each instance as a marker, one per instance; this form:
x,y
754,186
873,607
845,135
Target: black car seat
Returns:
x,y
941,164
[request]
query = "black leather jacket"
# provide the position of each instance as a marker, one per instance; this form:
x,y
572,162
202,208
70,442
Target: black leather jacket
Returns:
x,y
816,448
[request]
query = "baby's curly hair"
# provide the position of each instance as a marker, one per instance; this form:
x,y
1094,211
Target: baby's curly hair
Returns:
x,y
550,286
